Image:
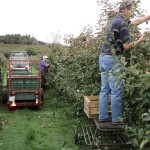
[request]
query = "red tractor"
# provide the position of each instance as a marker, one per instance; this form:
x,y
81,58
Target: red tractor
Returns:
x,y
23,85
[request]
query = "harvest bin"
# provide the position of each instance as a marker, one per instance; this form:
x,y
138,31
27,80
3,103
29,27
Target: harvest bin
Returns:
x,y
91,106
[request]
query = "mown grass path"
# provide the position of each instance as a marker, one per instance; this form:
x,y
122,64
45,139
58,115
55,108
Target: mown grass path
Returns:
x,y
50,128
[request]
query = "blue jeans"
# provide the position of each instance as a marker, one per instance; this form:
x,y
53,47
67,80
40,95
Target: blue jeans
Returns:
x,y
110,84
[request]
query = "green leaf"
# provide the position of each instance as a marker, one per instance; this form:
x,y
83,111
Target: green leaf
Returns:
x,y
146,118
145,114
135,142
144,142
141,91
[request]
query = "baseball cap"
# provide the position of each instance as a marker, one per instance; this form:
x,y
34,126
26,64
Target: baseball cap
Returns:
x,y
45,57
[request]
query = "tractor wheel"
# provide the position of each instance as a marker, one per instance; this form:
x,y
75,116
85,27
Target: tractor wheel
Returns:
x,y
4,96
38,107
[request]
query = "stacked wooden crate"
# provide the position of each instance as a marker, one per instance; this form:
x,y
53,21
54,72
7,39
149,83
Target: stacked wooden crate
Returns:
x,y
91,106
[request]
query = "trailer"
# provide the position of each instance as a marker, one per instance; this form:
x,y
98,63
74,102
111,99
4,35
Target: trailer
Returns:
x,y
23,85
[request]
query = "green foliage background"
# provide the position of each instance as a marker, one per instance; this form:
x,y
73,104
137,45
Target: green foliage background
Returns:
x,y
74,73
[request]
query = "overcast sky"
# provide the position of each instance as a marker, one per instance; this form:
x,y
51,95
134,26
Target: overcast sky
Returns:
x,y
43,18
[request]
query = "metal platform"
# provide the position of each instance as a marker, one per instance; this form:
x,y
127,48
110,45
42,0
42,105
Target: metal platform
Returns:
x,y
106,126
104,135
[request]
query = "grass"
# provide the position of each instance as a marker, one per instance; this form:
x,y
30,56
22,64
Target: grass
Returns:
x,y
50,128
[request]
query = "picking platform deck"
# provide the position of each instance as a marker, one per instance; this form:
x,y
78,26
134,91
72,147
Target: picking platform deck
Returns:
x,y
104,135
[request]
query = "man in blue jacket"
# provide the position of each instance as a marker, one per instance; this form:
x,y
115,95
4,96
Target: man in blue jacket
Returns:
x,y
44,71
44,64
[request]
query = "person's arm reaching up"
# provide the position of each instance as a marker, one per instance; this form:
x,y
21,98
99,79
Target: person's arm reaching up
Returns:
x,y
138,21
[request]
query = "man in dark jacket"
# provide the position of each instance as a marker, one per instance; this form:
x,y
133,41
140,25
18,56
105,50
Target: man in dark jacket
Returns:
x,y
117,41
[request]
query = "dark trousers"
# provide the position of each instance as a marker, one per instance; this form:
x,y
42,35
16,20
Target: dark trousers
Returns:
x,y
43,84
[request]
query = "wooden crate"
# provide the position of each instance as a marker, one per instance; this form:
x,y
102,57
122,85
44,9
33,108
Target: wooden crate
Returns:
x,y
91,106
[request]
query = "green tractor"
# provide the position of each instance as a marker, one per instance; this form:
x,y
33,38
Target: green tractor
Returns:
x,y
23,84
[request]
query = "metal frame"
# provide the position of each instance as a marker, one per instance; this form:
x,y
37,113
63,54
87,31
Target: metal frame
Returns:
x,y
92,132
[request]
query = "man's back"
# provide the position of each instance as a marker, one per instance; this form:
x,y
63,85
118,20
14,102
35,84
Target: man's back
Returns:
x,y
117,34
